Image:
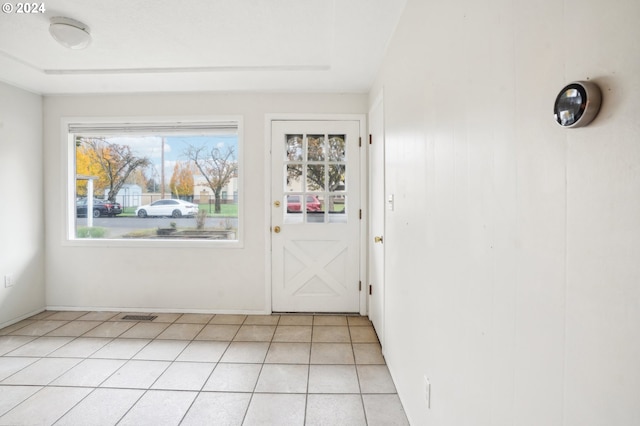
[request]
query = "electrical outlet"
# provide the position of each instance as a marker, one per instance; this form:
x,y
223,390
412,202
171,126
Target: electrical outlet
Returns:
x,y
8,280
427,391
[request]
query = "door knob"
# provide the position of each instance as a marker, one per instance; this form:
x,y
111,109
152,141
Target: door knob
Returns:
x,y
377,239
276,203
276,229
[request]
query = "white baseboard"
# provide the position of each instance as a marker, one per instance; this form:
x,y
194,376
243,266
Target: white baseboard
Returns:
x,y
157,310
20,318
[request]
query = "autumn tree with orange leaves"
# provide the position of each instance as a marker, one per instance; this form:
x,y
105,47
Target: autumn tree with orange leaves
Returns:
x,y
110,162
87,165
182,182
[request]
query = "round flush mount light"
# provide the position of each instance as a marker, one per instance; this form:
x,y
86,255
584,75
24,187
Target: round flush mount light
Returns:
x,y
577,104
69,32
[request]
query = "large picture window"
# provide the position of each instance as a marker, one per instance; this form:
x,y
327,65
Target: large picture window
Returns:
x,y
155,181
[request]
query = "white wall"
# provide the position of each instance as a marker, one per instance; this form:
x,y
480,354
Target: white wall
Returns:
x,y
212,280
21,214
513,252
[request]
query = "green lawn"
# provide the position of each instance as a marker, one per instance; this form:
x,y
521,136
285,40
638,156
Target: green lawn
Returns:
x,y
227,210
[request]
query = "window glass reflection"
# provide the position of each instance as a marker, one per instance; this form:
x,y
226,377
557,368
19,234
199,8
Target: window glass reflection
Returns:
x,y
337,148
294,147
337,207
315,177
315,147
294,177
337,177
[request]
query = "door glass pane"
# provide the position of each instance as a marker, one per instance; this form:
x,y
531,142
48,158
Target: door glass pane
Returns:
x,y
315,147
315,177
315,208
294,147
293,211
337,148
294,177
294,203
314,203
337,207
315,190
336,177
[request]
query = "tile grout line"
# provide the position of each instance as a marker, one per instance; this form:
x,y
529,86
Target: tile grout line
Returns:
x,y
306,397
355,366
118,369
204,383
88,357
107,378
174,361
246,411
46,356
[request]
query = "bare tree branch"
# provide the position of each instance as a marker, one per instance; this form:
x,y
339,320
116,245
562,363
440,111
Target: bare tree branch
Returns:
x,y
216,166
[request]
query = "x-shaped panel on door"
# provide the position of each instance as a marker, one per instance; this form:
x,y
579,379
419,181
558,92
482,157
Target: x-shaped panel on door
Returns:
x,y
334,254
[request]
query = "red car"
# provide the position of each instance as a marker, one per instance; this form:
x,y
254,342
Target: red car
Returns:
x,y
294,205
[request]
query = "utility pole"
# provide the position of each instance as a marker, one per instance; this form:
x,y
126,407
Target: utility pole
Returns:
x,y
162,171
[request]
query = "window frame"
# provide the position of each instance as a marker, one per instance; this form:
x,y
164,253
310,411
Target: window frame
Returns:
x,y
69,187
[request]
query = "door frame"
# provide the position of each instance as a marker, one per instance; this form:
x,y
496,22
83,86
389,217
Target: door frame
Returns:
x,y
364,194
379,290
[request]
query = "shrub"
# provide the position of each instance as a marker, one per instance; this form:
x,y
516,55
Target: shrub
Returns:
x,y
93,232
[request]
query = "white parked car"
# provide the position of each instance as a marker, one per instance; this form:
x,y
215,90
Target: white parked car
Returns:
x,y
173,208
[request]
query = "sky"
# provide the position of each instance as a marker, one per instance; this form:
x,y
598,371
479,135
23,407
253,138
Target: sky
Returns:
x,y
174,148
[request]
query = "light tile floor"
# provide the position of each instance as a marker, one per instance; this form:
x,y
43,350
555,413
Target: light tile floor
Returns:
x,y
94,368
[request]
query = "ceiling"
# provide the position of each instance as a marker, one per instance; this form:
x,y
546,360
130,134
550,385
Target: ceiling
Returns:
x,y
201,45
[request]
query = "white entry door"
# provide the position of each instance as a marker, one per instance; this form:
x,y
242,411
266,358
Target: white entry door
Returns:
x,y
315,216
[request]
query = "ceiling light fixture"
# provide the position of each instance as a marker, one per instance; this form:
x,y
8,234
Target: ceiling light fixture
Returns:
x,y
69,32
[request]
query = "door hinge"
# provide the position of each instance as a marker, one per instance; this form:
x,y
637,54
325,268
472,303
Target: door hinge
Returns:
x,y
370,141
370,289
360,214
360,141
359,285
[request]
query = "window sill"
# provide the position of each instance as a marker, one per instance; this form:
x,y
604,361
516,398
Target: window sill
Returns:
x,y
155,243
